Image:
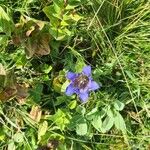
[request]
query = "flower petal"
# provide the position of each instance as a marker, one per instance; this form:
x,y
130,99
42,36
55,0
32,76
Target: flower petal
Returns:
x,y
83,97
86,89
94,86
71,75
87,70
70,90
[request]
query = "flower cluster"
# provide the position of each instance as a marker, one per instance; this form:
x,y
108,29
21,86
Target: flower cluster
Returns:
x,y
81,84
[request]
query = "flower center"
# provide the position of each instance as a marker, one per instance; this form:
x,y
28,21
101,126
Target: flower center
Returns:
x,y
81,81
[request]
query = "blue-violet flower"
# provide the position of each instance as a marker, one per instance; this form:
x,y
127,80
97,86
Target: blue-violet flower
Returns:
x,y
81,84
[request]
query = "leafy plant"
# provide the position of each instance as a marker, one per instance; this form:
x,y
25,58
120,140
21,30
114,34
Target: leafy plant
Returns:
x,y
41,42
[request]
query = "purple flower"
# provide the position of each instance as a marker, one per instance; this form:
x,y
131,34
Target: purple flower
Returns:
x,y
81,84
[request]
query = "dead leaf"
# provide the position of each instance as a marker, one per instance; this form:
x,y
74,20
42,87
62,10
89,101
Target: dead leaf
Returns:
x,y
43,47
16,40
22,92
135,116
51,145
28,33
8,88
41,24
8,93
38,45
17,36
10,79
33,35
36,113
30,48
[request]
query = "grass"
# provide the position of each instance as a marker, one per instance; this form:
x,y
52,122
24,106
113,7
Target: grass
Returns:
x,y
112,36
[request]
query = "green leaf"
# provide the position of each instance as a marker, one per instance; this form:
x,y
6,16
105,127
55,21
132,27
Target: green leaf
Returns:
x,y
72,104
79,65
75,2
60,34
36,92
64,86
61,119
42,129
59,3
118,105
6,24
3,40
81,128
18,137
108,121
60,100
97,122
91,114
57,84
46,68
20,60
81,110
119,122
58,9
69,7
50,11
2,134
74,121
95,117
75,17
110,113
107,124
